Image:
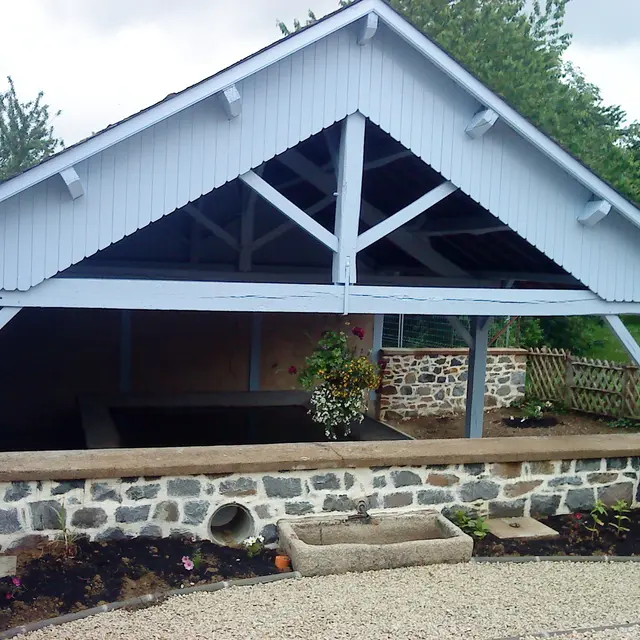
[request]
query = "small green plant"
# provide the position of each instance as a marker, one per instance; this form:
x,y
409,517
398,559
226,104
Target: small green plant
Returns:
x,y
625,423
598,515
620,510
66,537
254,545
198,559
476,527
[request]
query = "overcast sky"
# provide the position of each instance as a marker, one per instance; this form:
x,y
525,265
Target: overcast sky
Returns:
x,y
101,60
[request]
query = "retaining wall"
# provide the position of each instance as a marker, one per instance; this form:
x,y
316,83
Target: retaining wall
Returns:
x,y
418,382
535,477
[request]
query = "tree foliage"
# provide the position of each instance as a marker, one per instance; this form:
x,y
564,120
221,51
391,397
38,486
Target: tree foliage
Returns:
x,y
516,48
26,133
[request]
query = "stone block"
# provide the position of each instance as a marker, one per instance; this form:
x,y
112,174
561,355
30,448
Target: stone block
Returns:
x,y
89,518
67,485
542,468
442,479
349,480
298,508
101,492
507,508
588,465
269,533
614,492
17,491
518,378
406,390
183,487
580,499
379,482
328,481
479,490
112,533
195,511
405,478
151,531
410,378
601,478
238,487
282,487
400,499
133,514
542,505
9,522
7,566
566,481
143,492
507,469
338,503
27,543
46,514
434,496
263,511
565,466
616,463
474,469
520,488
635,463
166,511
426,377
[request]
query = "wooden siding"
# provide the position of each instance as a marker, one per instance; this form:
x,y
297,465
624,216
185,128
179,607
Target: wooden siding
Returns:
x,y
137,181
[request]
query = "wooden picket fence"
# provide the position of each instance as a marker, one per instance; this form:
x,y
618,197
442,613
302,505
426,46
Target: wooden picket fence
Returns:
x,y
593,386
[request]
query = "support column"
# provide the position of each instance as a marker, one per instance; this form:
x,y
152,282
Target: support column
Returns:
x,y
255,351
350,167
125,351
474,418
378,325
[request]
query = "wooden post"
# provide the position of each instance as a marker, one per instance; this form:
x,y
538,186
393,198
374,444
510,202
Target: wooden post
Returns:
x,y
255,351
125,351
474,418
568,381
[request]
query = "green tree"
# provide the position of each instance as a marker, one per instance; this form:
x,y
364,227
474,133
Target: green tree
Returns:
x,y
26,133
518,52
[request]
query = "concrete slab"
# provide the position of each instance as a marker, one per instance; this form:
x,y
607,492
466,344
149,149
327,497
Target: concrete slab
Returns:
x,y
506,528
7,566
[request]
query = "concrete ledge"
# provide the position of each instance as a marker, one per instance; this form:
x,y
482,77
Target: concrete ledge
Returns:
x,y
183,461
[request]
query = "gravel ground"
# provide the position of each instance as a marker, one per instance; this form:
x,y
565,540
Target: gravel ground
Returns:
x,y
445,602
630,633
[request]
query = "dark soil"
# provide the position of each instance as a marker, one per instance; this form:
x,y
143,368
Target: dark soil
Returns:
x,y
568,424
530,423
56,580
574,539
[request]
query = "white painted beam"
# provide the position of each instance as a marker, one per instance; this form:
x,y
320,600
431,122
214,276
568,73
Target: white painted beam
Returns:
x,y
216,229
481,123
624,335
403,216
368,27
275,198
231,102
78,293
73,182
594,212
418,249
7,314
348,203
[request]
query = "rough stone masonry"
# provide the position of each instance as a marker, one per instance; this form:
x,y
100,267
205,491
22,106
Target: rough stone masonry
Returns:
x,y
418,382
32,512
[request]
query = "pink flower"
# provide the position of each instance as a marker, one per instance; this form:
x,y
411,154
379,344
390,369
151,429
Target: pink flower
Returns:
x,y
579,516
358,331
187,562
16,581
293,370
8,596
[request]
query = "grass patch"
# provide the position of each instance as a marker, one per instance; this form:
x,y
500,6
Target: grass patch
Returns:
x,y
606,345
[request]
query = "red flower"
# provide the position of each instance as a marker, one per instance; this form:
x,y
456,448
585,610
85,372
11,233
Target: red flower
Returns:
x,y
16,581
358,331
293,370
579,516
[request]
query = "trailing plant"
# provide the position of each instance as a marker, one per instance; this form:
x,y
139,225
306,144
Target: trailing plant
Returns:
x,y
339,375
620,510
625,423
598,515
476,527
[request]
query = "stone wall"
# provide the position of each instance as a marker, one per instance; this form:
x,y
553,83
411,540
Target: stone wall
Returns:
x,y
31,511
419,382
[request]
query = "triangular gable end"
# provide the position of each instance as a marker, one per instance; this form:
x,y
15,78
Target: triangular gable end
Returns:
x,y
316,80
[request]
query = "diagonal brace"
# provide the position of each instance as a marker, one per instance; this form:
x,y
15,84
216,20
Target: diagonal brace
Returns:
x,y
215,229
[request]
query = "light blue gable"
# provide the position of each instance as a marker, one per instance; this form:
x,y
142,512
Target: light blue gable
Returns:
x,y
152,173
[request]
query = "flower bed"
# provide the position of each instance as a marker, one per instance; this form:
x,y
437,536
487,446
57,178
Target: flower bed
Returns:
x,y
55,578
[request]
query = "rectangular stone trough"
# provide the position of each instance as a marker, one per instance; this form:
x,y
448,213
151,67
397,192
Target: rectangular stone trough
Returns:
x,y
332,545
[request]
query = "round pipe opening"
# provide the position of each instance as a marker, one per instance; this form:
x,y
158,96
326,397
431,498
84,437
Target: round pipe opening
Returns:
x,y
231,524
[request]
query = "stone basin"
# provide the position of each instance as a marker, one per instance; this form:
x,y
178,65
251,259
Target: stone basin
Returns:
x,y
322,545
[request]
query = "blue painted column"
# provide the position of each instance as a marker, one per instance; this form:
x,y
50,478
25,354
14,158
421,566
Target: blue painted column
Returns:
x,y
255,351
125,351
474,418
